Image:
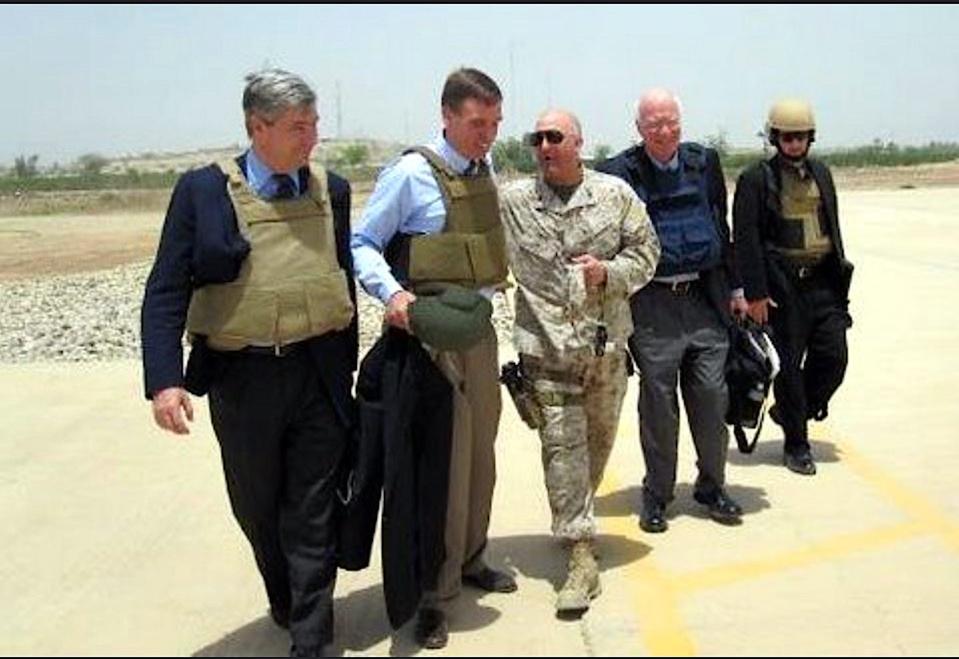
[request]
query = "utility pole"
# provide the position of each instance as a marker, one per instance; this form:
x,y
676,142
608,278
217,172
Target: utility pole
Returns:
x,y
339,113
513,120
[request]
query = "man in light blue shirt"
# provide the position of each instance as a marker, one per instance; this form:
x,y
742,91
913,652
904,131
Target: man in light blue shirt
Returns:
x,y
409,201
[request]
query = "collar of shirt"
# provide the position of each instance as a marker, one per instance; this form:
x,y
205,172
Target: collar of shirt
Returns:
x,y
670,166
260,177
457,161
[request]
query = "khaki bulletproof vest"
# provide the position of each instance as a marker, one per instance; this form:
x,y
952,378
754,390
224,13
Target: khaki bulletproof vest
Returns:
x,y
803,238
290,286
471,249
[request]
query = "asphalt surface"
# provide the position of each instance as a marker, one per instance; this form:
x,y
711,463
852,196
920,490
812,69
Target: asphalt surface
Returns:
x,y
118,539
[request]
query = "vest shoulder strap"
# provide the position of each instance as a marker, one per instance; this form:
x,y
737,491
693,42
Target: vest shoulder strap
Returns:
x,y
435,161
443,173
693,155
318,185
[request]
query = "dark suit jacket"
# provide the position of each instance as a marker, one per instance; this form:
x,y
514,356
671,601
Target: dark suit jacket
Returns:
x,y
757,216
201,244
403,449
635,167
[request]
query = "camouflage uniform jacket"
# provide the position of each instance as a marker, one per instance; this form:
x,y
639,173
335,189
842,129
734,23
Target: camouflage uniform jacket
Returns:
x,y
556,315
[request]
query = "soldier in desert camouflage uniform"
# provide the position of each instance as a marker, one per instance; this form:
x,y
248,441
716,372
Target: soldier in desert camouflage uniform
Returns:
x,y
580,243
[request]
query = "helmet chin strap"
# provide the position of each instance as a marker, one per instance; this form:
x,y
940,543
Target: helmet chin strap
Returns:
x,y
793,159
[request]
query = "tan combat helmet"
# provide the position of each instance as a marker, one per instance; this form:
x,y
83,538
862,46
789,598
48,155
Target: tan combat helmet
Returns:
x,y
790,115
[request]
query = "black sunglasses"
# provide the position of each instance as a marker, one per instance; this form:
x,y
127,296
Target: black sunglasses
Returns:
x,y
536,138
793,136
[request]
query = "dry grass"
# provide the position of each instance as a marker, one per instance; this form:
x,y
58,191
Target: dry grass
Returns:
x,y
64,232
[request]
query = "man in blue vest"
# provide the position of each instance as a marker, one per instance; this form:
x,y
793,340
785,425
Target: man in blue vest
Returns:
x,y
681,318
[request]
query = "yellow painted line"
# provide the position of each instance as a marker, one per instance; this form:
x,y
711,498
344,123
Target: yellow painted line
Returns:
x,y
912,504
831,549
655,598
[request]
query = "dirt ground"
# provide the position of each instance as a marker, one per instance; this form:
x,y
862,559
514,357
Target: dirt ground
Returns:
x,y
83,239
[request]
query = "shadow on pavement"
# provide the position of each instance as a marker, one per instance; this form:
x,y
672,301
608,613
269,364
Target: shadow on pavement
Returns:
x,y
543,557
626,502
360,623
769,451
260,638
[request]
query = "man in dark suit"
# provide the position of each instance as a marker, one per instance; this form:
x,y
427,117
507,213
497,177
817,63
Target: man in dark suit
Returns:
x,y
681,317
795,273
254,264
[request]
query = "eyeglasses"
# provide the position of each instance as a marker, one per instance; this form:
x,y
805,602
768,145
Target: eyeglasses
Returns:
x,y
536,138
660,125
794,136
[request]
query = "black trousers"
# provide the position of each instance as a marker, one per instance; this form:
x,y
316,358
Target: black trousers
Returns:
x,y
281,443
679,339
809,332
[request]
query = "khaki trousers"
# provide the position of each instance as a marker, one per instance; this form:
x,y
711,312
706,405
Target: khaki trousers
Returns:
x,y
476,411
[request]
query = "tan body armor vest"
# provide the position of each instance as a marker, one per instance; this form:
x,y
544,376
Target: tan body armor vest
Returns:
x,y
290,287
471,249
801,202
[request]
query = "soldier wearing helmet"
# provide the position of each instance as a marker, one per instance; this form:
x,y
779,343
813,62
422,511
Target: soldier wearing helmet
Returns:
x,y
795,274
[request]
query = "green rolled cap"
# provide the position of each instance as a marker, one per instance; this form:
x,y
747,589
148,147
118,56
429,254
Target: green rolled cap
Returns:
x,y
449,317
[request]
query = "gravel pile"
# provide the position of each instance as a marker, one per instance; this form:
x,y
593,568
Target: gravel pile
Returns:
x,y
96,317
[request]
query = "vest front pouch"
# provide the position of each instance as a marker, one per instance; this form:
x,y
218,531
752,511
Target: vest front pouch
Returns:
x,y
801,236
678,204
290,287
471,249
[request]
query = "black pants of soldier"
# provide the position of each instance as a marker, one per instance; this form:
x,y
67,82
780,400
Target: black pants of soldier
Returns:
x,y
281,442
809,332
680,337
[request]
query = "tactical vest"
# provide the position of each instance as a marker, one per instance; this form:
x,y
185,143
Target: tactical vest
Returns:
x,y
678,205
802,238
471,249
290,287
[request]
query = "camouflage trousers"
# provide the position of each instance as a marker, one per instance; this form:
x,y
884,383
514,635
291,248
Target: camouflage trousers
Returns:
x,y
581,400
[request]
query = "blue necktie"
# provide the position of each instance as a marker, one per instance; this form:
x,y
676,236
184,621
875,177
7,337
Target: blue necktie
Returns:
x,y
285,188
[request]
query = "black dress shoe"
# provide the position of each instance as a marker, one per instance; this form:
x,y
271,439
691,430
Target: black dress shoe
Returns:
x,y
652,518
492,581
721,507
800,462
432,631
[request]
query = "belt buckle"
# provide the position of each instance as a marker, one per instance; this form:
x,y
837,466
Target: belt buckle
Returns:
x,y
804,272
681,287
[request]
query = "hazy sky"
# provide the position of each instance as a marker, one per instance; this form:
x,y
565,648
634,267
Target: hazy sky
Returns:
x,y
115,79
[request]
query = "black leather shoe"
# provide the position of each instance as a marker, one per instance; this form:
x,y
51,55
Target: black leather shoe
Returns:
x,y
721,507
432,631
652,518
492,581
800,462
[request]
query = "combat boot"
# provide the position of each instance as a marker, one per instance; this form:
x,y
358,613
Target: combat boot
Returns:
x,y
582,584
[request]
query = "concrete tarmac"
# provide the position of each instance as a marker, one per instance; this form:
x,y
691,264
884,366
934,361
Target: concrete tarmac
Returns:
x,y
118,539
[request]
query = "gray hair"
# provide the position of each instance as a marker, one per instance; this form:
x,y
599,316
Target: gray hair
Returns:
x,y
657,94
271,92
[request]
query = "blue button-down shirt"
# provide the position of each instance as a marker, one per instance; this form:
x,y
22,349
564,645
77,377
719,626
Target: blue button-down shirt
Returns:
x,y
406,199
260,177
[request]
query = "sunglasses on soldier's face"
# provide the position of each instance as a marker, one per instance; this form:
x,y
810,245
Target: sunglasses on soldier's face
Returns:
x,y
797,136
536,138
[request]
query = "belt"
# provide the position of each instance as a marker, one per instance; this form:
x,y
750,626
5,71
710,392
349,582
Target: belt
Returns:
x,y
678,287
272,351
804,272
